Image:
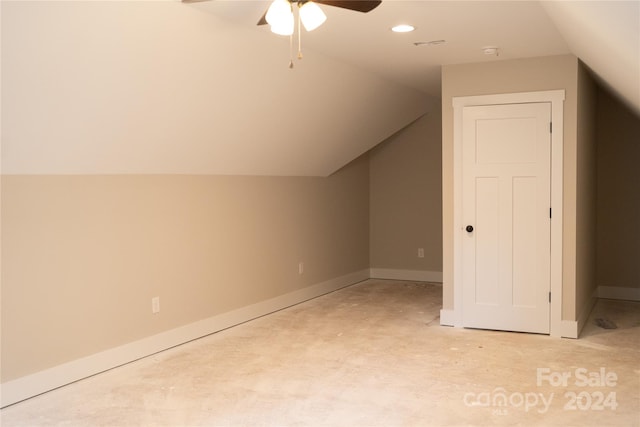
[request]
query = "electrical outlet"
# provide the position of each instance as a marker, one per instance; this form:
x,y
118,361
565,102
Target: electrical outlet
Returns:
x,y
420,252
155,305
300,267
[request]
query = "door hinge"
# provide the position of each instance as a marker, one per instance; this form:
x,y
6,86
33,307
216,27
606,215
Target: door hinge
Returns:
x,y
549,212
550,127
549,296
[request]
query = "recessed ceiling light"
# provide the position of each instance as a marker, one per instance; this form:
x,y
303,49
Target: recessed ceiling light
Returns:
x,y
403,28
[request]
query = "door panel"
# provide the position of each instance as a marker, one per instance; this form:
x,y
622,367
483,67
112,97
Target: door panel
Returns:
x,y
486,228
495,143
506,198
524,243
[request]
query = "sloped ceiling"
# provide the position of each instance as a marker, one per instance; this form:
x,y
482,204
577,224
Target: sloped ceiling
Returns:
x,y
115,87
160,87
605,35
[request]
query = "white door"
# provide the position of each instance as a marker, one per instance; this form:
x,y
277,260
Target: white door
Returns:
x,y
506,193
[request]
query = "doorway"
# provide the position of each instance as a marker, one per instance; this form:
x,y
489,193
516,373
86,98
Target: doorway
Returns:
x,y
508,212
506,168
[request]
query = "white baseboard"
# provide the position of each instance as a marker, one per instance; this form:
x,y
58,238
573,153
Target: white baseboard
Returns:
x,y
616,292
40,382
569,329
447,318
572,329
417,275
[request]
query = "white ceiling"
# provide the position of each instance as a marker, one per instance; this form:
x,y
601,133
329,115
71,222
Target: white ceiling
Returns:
x,y
520,29
605,34
117,87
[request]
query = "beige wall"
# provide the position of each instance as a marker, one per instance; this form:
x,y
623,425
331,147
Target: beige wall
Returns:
x,y
618,194
586,194
525,75
82,256
406,198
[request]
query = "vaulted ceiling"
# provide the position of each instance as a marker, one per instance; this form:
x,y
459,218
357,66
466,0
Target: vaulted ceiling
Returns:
x,y
117,87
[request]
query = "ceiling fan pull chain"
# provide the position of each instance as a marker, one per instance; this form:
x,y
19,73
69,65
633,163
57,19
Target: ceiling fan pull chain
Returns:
x,y
299,37
291,51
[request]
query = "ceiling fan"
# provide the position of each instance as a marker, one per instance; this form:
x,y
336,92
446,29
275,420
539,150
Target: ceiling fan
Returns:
x,y
280,16
356,5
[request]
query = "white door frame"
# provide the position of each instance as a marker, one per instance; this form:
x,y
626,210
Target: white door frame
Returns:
x,y
556,98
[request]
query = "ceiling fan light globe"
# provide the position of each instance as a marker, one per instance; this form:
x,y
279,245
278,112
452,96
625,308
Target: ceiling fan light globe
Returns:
x,y
279,13
311,16
283,29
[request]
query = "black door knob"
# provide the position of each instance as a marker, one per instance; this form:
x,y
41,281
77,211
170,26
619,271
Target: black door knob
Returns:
x,y
469,228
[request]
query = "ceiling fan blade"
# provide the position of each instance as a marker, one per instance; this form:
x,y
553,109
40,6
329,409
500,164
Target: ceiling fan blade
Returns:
x,y
357,5
263,20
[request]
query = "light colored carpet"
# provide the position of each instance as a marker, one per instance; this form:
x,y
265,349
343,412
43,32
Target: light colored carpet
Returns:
x,y
372,354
